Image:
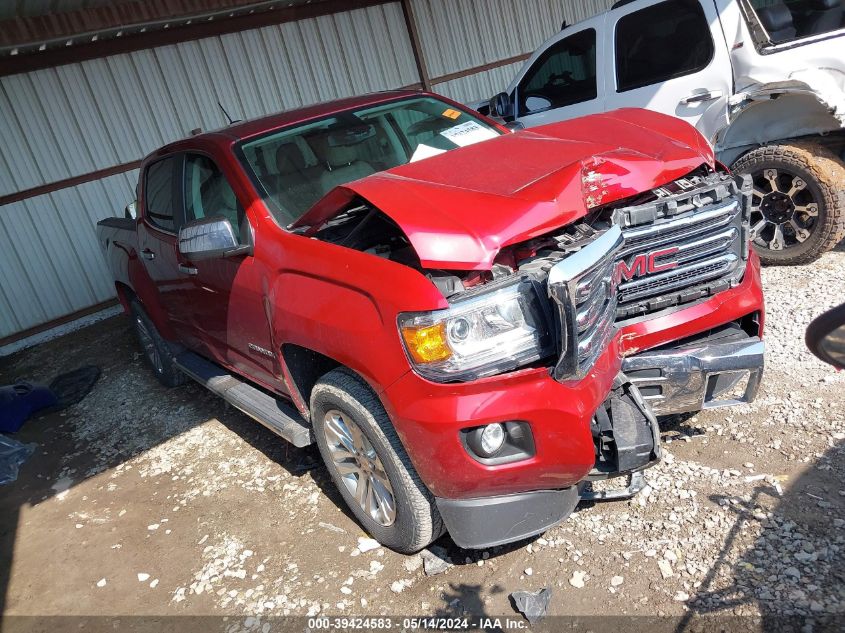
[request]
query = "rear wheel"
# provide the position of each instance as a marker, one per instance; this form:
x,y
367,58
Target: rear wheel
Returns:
x,y
369,465
156,350
798,204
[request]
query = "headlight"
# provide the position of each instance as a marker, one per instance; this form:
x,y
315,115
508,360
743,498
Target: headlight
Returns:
x,y
499,327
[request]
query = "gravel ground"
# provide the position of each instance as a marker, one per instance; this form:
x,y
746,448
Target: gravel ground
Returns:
x,y
143,500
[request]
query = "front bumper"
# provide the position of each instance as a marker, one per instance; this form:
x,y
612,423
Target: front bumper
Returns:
x,y
698,375
430,416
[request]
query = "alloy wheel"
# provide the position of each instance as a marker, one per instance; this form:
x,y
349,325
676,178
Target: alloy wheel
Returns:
x,y
783,209
359,467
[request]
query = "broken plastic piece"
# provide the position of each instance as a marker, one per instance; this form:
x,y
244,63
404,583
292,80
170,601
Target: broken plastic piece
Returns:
x,y
12,455
533,605
636,482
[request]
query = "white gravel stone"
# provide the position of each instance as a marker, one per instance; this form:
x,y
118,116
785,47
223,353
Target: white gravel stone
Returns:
x,y
577,579
367,544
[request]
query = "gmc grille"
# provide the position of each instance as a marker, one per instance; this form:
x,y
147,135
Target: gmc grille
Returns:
x,y
682,246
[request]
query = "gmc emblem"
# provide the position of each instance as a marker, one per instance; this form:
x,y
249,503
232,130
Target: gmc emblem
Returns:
x,y
645,264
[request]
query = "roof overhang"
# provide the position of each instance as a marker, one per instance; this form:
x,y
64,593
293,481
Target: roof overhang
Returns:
x,y
46,34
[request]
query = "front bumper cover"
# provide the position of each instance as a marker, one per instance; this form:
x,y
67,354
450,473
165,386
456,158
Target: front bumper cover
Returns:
x,y
697,376
490,521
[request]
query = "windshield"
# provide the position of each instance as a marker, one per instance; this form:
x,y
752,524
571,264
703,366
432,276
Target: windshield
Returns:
x,y
297,166
786,20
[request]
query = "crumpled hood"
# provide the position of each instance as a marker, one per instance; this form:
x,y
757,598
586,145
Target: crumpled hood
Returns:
x,y
460,208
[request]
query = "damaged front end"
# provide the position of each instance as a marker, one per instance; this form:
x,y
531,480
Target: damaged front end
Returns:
x,y
560,300
623,264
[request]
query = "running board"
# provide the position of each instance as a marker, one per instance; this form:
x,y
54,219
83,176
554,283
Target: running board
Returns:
x,y
277,415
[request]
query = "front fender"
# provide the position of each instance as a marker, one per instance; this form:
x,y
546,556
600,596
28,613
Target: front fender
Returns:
x,y
343,304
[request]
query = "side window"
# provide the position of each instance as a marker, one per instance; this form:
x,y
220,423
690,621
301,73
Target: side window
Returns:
x,y
564,75
159,192
208,193
661,42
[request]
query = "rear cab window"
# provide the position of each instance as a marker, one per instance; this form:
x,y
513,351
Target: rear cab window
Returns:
x,y
661,42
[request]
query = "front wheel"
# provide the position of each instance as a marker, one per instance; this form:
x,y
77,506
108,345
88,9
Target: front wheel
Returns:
x,y
369,465
798,204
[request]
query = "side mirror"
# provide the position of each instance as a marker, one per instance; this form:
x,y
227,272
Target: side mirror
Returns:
x,y
210,238
131,210
501,106
826,337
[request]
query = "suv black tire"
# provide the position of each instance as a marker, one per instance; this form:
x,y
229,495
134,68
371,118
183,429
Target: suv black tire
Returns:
x,y
824,175
416,521
157,351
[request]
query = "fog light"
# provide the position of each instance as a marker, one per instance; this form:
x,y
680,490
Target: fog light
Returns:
x,y
499,443
492,439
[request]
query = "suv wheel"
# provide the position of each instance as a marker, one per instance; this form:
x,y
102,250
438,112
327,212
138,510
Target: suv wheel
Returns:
x,y
156,350
369,465
798,205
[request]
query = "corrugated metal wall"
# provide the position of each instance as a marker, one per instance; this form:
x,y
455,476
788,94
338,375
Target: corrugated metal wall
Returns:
x,y
50,262
459,34
74,119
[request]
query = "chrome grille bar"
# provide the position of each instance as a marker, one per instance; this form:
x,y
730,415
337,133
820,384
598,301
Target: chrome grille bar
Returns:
x,y
679,278
678,257
685,228
582,286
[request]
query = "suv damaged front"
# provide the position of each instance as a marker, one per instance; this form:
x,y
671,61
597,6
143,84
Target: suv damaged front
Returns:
x,y
598,275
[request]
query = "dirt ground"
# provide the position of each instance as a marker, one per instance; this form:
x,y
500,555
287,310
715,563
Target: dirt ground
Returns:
x,y
146,501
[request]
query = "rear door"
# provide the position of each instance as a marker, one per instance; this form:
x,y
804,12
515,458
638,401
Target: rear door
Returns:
x,y
670,57
161,215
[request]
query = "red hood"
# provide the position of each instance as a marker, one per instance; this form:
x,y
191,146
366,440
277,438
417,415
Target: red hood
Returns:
x,y
460,208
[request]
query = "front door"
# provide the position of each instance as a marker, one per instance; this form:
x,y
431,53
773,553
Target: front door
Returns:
x,y
670,57
227,310
562,83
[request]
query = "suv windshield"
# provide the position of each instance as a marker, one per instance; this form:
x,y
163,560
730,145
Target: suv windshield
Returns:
x,y
297,166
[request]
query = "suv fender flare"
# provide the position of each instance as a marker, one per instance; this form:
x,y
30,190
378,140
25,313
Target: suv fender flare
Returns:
x,y
771,115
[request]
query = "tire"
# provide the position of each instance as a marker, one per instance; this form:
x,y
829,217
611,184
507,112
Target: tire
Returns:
x,y
157,351
795,228
341,400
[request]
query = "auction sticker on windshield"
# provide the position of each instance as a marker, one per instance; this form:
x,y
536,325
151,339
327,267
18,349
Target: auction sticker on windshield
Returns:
x,y
468,133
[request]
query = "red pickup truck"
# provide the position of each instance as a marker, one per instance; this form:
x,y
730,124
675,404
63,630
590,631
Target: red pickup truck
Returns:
x,y
469,321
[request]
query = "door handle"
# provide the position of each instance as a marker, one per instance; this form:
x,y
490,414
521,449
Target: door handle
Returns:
x,y
187,270
700,97
148,254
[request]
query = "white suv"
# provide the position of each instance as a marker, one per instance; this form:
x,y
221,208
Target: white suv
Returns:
x,y
763,80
